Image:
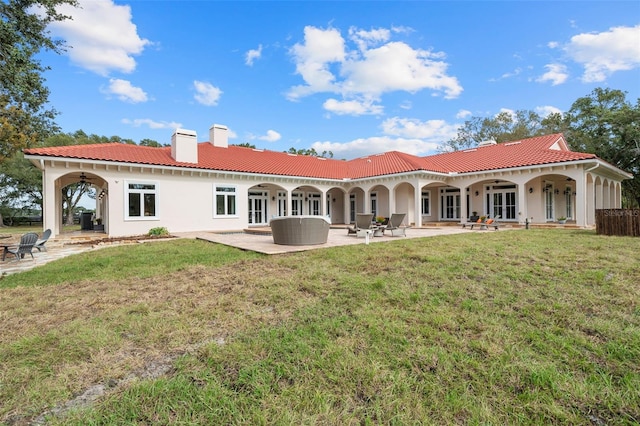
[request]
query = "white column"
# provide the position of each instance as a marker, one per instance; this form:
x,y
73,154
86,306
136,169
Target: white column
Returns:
x,y
523,208
323,203
417,204
49,212
346,207
463,203
581,201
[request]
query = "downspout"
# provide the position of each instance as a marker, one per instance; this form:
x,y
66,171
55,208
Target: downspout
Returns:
x,y
593,168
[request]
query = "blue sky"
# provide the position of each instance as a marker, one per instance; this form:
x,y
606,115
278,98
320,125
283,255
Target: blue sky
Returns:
x,y
351,77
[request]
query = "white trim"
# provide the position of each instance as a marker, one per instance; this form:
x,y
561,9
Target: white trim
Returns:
x,y
155,191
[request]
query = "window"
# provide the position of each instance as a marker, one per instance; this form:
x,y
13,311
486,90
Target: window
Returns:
x,y
426,203
568,197
141,200
225,201
374,203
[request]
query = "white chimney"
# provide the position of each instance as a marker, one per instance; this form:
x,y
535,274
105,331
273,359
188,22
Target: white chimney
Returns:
x,y
184,146
218,136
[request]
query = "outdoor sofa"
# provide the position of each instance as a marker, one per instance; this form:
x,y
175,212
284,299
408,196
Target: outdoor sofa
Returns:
x,y
300,230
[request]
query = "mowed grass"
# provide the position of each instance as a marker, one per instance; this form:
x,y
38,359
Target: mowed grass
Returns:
x,y
509,327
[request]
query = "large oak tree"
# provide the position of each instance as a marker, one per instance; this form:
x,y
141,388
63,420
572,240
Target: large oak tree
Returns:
x,y
26,119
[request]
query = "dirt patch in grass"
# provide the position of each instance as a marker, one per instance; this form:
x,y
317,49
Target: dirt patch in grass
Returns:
x,y
122,240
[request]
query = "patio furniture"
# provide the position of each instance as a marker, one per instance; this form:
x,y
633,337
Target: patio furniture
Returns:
x,y
395,225
363,225
300,230
24,247
40,243
485,223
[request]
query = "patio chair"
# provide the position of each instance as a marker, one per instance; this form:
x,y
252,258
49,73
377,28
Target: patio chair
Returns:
x,y
395,225
40,243
493,223
25,246
362,226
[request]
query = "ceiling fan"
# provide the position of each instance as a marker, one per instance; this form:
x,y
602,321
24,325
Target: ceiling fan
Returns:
x,y
83,178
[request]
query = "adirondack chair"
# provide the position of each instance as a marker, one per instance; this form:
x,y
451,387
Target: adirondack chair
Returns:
x,y
40,243
25,246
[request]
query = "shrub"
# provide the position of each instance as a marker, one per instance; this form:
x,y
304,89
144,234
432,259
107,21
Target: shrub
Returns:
x,y
159,231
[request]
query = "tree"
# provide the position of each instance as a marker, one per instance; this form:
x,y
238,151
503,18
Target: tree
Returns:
x,y
150,142
25,120
23,95
605,124
504,127
245,145
310,151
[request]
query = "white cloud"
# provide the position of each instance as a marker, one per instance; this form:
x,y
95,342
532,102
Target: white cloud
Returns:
x,y
124,91
152,124
400,134
206,93
607,52
434,130
353,107
376,145
373,67
101,36
271,136
397,66
556,74
321,48
547,110
463,113
252,55
364,38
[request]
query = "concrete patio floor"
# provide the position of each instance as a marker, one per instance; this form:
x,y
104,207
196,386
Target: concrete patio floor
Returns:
x,y
258,242
263,243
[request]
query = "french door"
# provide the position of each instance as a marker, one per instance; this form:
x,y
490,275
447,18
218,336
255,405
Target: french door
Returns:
x,y
258,204
450,203
501,202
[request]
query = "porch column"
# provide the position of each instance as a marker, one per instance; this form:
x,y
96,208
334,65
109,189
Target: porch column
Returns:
x,y
50,189
323,202
417,203
346,207
289,193
392,201
581,201
523,207
463,203
367,201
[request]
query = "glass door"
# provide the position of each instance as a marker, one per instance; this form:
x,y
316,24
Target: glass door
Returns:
x,y
258,202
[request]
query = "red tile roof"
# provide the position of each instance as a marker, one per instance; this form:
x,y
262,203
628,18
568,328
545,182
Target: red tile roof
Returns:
x,y
527,152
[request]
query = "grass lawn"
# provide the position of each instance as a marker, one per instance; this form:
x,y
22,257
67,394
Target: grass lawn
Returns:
x,y
509,327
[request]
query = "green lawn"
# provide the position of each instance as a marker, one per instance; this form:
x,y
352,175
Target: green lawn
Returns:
x,y
509,327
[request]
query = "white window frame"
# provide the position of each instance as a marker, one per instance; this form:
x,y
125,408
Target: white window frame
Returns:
x,y
425,196
225,194
373,201
142,191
